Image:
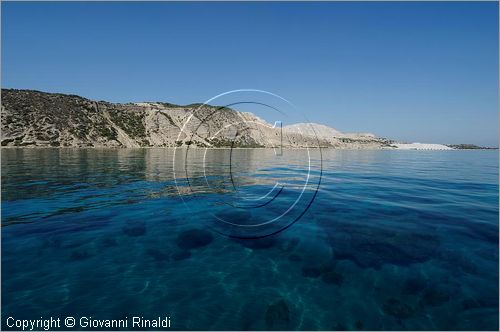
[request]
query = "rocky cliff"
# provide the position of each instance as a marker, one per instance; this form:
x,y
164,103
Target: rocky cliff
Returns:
x,y
39,119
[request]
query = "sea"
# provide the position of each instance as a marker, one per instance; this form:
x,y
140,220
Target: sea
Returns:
x,y
250,239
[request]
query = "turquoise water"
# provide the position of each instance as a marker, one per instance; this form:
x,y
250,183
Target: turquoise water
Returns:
x,y
393,240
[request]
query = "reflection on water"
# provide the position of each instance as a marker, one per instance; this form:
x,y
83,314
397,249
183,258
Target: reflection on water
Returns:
x,y
398,240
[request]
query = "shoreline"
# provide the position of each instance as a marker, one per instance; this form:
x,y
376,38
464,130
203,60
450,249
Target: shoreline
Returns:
x,y
227,148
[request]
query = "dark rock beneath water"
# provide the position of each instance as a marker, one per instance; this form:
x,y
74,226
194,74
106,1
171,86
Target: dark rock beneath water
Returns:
x,y
470,303
294,258
79,255
278,316
194,238
339,327
311,272
435,296
291,244
134,229
157,255
54,242
414,285
315,271
359,324
109,242
181,255
484,231
457,261
398,309
333,278
490,301
373,247
73,243
256,244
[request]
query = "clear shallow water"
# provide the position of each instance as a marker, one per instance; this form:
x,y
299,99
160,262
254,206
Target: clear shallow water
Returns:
x,y
394,240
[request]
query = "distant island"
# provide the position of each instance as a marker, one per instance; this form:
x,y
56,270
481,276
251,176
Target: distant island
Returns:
x,y
39,119
469,147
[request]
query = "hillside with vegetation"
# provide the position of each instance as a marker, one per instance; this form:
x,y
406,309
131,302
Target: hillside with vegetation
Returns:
x,y
38,119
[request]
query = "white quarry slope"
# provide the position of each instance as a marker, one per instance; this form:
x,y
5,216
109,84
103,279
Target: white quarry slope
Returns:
x,y
313,129
421,146
324,132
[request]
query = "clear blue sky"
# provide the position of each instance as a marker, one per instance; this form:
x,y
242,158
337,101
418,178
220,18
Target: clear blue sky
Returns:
x,y
424,72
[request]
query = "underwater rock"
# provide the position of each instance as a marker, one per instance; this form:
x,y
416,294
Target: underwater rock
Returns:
x,y
359,324
109,242
396,308
194,238
292,243
371,247
157,255
333,278
278,316
458,261
418,247
134,229
470,303
79,255
414,285
73,243
484,231
339,327
435,296
294,258
54,242
311,272
260,243
490,301
263,243
181,255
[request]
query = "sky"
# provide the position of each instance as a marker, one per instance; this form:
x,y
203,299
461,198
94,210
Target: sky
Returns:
x,y
416,71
